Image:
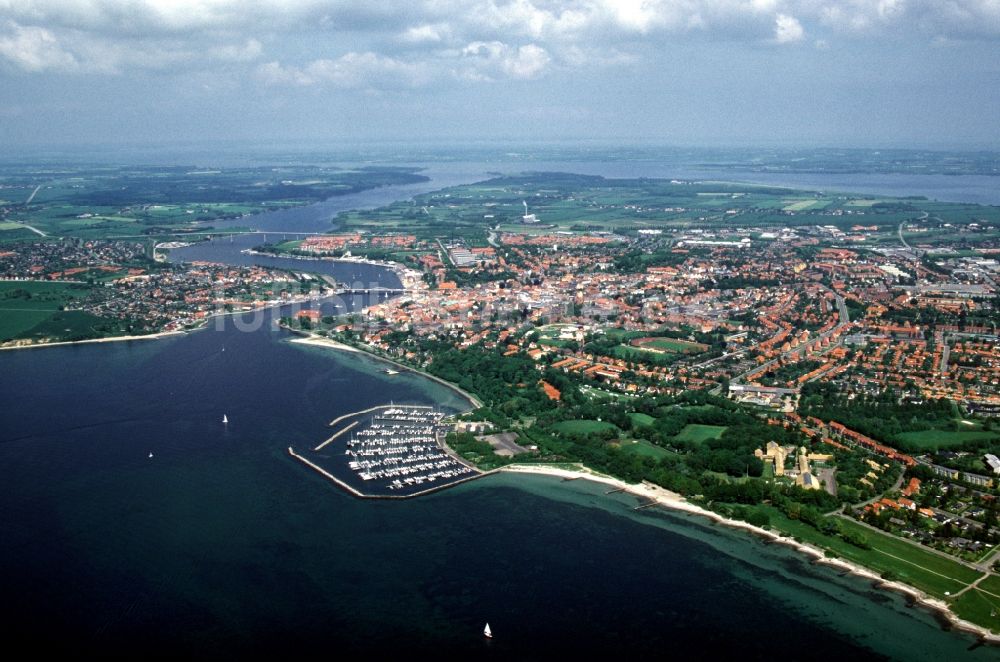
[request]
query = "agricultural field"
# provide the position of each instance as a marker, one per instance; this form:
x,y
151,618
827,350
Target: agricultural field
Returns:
x,y
803,205
27,305
10,231
31,308
697,433
102,202
573,204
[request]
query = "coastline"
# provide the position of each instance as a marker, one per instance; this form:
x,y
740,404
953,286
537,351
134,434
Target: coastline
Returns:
x,y
396,267
673,501
176,332
65,343
308,338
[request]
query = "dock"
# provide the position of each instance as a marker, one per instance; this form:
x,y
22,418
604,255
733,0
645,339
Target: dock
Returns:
x,y
361,495
370,410
645,505
616,490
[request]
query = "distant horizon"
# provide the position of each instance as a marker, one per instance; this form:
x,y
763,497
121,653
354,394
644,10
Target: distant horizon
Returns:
x,y
885,74
444,146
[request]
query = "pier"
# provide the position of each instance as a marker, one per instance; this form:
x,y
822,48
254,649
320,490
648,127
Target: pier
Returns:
x,y
370,410
346,428
323,472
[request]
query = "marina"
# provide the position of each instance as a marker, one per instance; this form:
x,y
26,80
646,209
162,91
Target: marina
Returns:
x,y
397,452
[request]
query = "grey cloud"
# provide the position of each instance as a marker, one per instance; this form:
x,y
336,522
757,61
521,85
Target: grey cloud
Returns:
x,y
425,41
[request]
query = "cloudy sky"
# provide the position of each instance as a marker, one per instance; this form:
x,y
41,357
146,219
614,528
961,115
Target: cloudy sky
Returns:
x,y
714,72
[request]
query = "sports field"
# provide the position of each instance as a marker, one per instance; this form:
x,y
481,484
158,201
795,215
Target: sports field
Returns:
x,y
583,426
698,433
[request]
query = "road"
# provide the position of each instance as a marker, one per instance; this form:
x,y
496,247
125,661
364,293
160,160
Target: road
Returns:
x,y
845,319
446,257
35,230
32,196
899,231
491,238
945,355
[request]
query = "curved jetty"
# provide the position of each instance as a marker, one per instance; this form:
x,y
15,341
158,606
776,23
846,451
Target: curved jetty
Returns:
x,y
335,435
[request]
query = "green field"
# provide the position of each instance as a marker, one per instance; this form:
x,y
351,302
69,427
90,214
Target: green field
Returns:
x,y
643,447
698,433
979,607
584,204
932,439
99,202
66,325
583,426
639,418
31,309
14,232
991,584
927,571
802,205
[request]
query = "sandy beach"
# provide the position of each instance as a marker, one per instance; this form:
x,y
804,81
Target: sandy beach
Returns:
x,y
151,336
308,338
319,341
674,501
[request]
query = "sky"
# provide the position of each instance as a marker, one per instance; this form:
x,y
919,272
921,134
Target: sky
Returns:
x,y
862,73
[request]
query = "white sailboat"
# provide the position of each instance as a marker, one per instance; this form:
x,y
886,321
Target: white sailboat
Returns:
x,y
487,632
224,419
150,455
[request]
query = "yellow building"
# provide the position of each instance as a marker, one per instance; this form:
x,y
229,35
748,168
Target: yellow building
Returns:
x,y
806,479
774,454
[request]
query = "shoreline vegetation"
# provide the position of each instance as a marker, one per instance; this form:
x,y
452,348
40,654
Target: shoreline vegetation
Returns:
x,y
673,501
64,343
177,332
308,338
